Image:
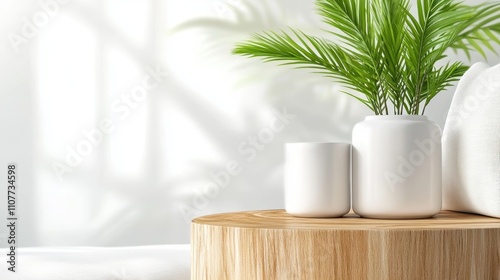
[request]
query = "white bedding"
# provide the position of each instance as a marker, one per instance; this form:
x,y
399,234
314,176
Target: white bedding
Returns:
x,y
471,144
162,262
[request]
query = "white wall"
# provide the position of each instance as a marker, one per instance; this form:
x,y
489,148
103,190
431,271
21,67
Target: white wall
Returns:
x,y
17,120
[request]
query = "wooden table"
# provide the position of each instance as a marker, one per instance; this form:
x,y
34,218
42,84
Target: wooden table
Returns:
x,y
274,245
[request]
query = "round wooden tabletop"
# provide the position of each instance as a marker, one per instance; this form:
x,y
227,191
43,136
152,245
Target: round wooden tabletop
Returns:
x,y
279,219
271,244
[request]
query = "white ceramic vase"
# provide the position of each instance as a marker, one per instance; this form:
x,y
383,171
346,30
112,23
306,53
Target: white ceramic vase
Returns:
x,y
317,179
396,167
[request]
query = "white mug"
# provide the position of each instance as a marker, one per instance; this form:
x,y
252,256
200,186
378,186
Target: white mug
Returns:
x,y
317,179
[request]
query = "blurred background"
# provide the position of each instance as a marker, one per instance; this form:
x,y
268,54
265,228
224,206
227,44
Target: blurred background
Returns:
x,y
128,118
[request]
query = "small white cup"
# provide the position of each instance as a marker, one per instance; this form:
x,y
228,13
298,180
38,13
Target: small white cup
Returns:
x,y
317,179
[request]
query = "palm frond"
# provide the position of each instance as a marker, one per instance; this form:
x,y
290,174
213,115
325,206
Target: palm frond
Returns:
x,y
482,28
304,51
385,52
390,22
441,78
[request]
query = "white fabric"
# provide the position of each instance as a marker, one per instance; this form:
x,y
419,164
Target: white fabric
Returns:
x,y
471,144
165,262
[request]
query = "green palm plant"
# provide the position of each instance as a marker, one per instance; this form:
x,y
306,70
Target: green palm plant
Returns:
x,y
384,52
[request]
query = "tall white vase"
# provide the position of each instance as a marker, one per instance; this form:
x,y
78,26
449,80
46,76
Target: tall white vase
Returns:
x,y
396,167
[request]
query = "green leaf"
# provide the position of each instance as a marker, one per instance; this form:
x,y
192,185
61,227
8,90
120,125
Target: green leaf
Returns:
x,y
383,51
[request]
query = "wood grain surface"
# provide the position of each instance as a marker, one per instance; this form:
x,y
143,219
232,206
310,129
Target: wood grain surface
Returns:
x,y
274,245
